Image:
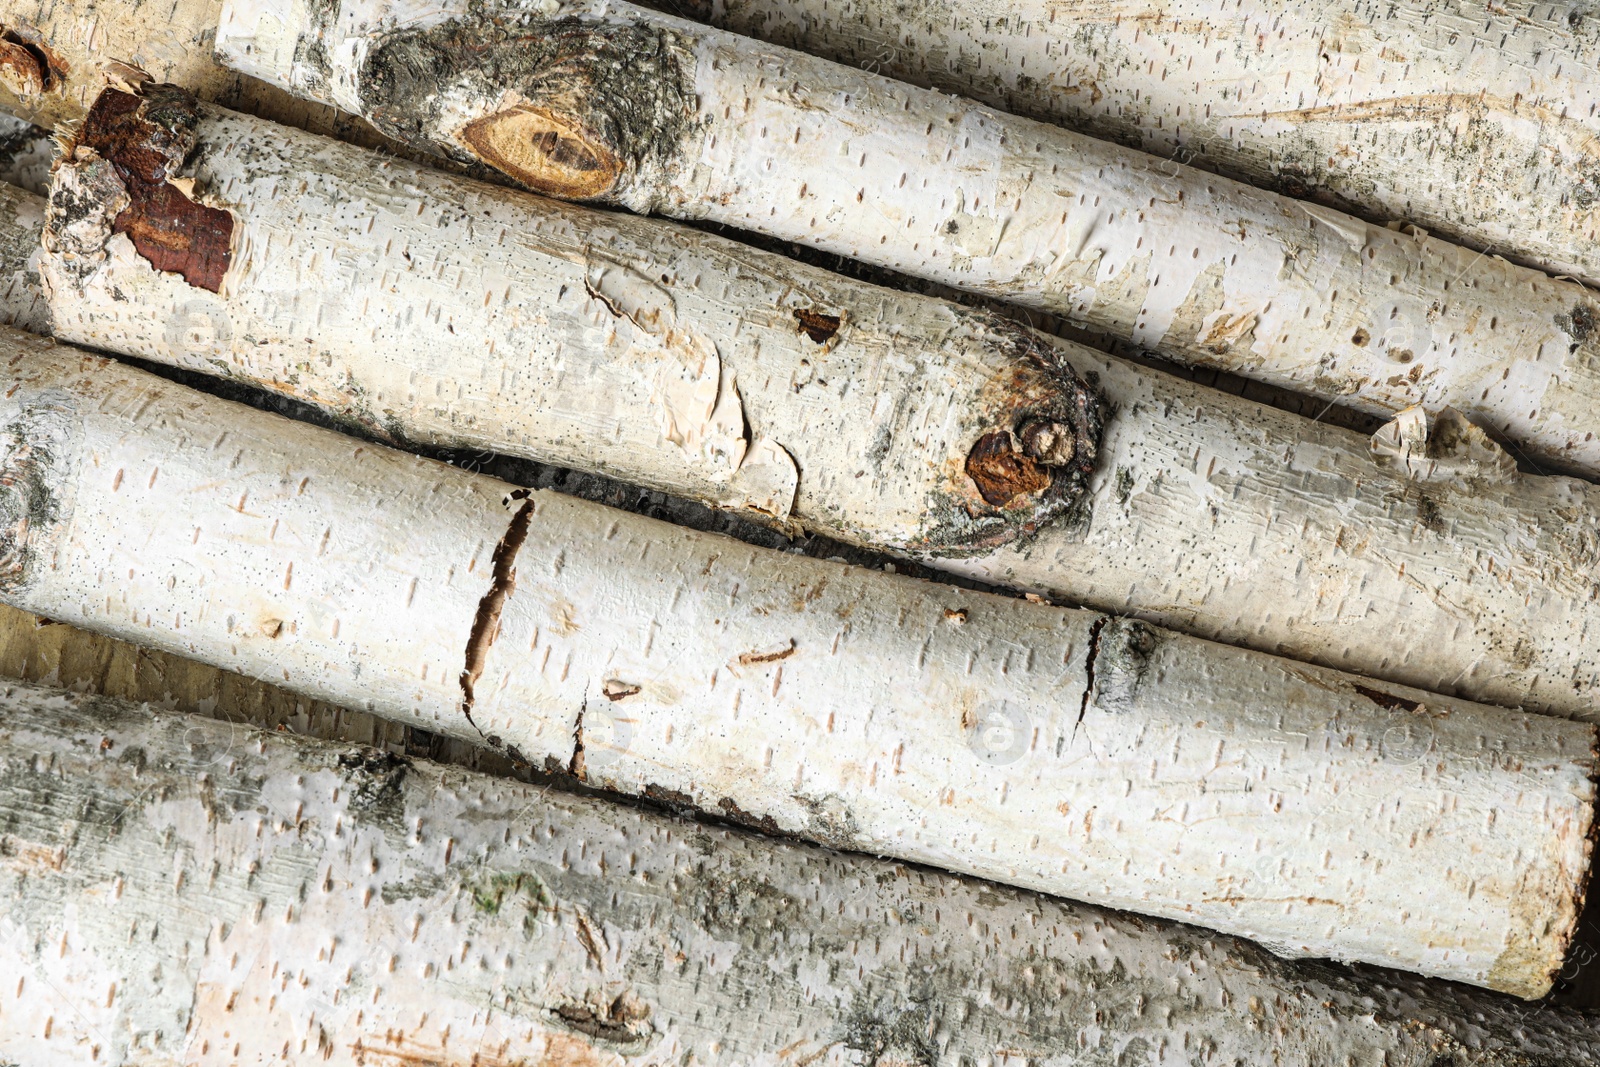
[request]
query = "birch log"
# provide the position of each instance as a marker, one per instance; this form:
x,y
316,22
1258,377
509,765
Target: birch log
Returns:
x,y
55,55
177,891
606,101
1049,748
437,310
1476,121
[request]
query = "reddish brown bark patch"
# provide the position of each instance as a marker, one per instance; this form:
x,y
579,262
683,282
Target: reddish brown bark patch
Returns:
x,y
1002,473
146,138
27,66
817,326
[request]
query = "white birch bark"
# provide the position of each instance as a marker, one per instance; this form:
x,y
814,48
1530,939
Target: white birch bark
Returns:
x,y
1048,748
56,56
603,100
439,310
176,890
1476,121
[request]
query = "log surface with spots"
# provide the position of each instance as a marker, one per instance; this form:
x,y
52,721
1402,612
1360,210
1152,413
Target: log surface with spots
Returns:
x,y
1475,120
607,101
433,309
1055,749
179,890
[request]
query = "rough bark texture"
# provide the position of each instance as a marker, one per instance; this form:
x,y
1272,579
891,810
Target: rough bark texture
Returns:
x,y
431,309
1043,747
704,124
176,890
22,304
64,49
26,152
1474,120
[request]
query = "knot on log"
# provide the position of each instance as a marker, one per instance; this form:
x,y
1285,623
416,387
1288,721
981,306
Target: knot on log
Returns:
x,y
564,106
1037,446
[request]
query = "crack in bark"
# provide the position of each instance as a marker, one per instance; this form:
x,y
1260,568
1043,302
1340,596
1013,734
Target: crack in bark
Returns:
x,y
1088,670
575,765
486,624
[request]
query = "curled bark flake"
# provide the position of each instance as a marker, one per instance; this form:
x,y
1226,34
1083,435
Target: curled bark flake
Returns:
x,y
27,66
563,106
618,1021
1450,451
146,139
20,69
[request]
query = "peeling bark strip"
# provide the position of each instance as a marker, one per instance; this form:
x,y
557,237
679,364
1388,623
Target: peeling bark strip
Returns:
x,y
310,903
1198,268
426,307
1411,110
146,139
1197,781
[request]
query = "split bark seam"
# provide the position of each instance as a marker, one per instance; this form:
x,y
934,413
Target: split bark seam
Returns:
x,y
1088,681
502,580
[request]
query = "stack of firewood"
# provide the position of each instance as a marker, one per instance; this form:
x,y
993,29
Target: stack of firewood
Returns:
x,y
519,592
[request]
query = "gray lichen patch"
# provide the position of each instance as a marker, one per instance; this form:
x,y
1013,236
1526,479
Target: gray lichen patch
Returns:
x,y
25,155
1119,660
85,197
565,106
33,450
